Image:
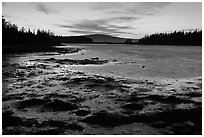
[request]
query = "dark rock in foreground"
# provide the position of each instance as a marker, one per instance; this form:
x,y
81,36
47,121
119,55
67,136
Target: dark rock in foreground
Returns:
x,y
94,61
133,106
82,112
105,119
58,105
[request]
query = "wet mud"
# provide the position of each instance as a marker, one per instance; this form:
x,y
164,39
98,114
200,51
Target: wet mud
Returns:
x,y
41,98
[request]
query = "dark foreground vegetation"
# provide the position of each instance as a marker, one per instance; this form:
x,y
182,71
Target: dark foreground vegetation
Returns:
x,y
174,38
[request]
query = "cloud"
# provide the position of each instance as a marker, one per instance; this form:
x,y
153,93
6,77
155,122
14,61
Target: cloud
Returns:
x,y
82,32
102,26
148,8
8,16
94,26
43,8
119,19
131,8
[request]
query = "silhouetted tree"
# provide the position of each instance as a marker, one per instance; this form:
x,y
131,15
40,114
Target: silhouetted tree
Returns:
x,y
174,38
11,35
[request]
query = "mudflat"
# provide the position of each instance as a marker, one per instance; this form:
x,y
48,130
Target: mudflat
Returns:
x,y
48,94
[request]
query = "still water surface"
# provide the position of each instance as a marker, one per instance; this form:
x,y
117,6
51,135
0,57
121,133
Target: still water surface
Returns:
x,y
135,61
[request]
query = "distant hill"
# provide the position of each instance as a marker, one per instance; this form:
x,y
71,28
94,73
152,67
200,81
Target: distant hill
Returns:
x,y
75,39
101,38
96,38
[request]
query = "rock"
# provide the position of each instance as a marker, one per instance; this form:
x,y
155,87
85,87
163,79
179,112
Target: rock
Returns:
x,y
96,58
159,124
95,61
58,105
132,106
30,102
82,112
75,127
105,119
9,120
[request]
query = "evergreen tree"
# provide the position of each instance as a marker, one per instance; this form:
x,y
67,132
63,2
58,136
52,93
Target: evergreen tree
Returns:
x,y
174,38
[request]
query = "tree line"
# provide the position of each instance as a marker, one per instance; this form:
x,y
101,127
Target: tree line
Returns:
x,y
174,38
12,35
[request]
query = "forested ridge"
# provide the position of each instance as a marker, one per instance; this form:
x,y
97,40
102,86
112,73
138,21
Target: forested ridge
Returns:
x,y
174,38
12,35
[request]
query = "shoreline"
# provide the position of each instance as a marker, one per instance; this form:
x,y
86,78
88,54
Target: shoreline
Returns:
x,y
43,97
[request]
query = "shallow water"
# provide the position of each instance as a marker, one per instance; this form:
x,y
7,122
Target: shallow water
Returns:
x,y
145,61
135,61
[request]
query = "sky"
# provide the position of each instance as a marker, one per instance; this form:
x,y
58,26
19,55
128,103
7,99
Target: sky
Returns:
x,y
122,19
